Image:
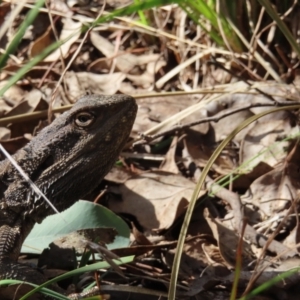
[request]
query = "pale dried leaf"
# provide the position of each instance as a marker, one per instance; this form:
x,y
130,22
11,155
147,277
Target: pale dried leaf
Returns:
x,y
31,101
273,191
125,62
169,163
259,142
147,79
69,28
4,133
154,110
81,82
154,199
61,6
226,125
14,93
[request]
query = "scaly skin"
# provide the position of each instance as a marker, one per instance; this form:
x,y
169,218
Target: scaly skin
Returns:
x,y
66,160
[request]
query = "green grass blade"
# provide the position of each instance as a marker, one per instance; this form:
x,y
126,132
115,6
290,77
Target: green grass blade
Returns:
x,y
45,291
89,268
188,215
13,79
141,14
117,13
281,25
32,14
197,9
263,287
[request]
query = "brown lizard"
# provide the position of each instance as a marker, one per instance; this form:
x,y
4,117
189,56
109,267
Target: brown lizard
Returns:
x,y
66,160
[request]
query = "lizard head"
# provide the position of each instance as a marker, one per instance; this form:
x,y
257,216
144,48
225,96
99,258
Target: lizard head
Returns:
x,y
70,157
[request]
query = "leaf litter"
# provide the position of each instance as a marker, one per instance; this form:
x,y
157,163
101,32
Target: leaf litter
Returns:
x,y
254,182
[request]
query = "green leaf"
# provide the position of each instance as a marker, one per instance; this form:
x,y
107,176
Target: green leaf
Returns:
x,y
82,215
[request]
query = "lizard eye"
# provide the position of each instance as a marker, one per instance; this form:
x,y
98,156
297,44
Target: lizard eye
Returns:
x,y
84,119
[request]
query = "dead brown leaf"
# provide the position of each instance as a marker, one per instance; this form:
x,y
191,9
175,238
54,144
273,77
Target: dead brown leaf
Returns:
x,y
155,199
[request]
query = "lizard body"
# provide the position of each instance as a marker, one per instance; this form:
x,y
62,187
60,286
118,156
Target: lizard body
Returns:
x,y
66,160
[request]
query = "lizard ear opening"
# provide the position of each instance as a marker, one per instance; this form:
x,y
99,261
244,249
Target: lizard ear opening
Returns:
x,y
84,119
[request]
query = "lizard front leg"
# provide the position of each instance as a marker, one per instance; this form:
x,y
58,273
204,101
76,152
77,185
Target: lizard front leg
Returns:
x,y
13,231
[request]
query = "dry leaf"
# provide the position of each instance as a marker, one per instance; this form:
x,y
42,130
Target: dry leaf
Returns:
x,y
81,82
259,142
125,62
154,199
70,28
228,242
169,163
274,191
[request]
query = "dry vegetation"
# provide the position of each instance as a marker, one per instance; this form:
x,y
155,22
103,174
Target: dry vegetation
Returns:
x,y
195,83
